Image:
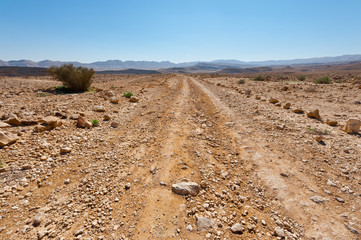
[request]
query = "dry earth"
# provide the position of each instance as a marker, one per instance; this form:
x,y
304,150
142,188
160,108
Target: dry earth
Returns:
x,y
257,164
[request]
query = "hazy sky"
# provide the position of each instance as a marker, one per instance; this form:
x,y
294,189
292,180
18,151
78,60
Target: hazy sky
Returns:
x,y
178,30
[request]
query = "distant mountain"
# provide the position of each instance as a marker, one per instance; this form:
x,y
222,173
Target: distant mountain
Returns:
x,y
211,66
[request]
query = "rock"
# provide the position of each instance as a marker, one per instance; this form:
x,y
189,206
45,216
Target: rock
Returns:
x,y
51,121
340,199
186,188
237,228
7,139
279,232
61,115
204,224
285,88
83,123
37,220
26,167
79,232
98,108
114,124
298,110
314,114
331,123
64,150
319,139
67,181
42,234
114,100
42,128
14,121
251,227
133,99
287,106
4,125
248,92
318,199
127,186
189,228
106,118
27,122
357,102
74,116
353,126
273,101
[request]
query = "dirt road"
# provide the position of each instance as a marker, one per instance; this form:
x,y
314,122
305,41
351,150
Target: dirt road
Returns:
x,y
116,183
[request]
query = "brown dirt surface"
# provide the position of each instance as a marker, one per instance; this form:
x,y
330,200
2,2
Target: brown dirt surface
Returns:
x,y
257,163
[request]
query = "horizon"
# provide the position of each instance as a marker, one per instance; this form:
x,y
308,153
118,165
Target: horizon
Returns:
x,y
186,31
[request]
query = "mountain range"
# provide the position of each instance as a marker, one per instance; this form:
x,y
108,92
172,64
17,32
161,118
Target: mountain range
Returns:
x,y
166,66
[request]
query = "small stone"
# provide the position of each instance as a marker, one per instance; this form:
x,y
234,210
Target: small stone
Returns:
x,y
26,167
251,227
263,222
114,124
98,108
67,181
340,199
79,232
298,111
248,92
273,100
189,228
127,186
204,224
13,121
314,114
83,123
133,99
237,228
319,139
51,121
331,123
7,139
64,150
279,232
74,116
318,199
114,100
106,118
186,188
353,126
37,220
287,106
4,125
42,234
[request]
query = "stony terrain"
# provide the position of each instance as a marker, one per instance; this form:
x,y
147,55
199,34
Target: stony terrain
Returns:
x,y
190,157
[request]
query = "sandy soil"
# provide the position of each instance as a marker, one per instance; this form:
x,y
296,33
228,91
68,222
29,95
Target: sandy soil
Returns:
x,y
257,163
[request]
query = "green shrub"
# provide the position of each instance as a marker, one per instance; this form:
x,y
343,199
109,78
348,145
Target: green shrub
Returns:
x,y
259,78
241,81
301,77
76,79
324,80
95,122
128,94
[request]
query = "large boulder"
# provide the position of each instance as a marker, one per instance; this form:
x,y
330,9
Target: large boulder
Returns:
x,y
186,188
7,139
353,126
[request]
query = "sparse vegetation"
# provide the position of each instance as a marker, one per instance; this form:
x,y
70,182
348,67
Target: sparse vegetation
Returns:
x,y
75,79
301,77
128,94
259,78
241,81
319,131
323,80
95,122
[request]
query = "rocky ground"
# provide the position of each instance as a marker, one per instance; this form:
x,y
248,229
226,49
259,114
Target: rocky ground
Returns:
x,y
189,157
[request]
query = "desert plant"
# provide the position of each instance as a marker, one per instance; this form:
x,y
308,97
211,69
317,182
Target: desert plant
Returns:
x,y
301,77
259,78
128,94
76,79
95,122
241,81
323,80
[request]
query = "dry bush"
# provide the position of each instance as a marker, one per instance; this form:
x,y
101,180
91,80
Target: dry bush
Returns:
x,y
76,79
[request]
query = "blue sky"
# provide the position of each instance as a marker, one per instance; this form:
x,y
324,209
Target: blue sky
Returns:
x,y
178,30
